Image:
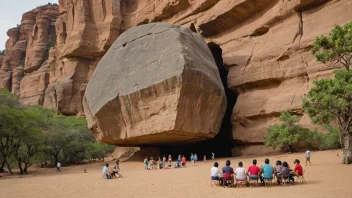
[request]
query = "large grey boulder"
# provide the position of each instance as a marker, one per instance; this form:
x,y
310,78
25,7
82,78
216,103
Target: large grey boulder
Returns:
x,y
157,84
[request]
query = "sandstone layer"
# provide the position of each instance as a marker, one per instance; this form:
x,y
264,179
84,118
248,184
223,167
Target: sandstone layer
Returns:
x,y
27,51
157,84
265,48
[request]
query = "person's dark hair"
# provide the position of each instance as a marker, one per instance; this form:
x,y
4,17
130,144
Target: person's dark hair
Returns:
x,y
278,162
255,162
107,165
267,161
240,164
163,155
216,164
285,164
228,163
297,161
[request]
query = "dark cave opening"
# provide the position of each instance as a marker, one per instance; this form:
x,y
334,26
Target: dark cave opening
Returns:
x,y
222,143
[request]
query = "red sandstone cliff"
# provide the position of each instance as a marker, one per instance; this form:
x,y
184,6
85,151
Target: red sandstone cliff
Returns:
x,y
266,48
27,51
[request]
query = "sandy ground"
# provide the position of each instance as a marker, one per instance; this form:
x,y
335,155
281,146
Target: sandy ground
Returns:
x,y
325,178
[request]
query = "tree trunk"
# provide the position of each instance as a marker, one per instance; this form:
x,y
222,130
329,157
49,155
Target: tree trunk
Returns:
x,y
25,168
19,161
347,148
56,156
8,166
2,166
289,148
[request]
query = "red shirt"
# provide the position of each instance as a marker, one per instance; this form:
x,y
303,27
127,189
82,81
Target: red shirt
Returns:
x,y
298,169
183,159
254,170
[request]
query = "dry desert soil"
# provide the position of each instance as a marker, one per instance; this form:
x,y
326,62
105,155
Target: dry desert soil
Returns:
x,y
325,178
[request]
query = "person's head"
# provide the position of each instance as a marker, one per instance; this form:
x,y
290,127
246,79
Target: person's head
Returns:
x,y
228,163
183,155
285,164
216,164
255,162
107,165
278,163
240,164
163,155
296,161
267,161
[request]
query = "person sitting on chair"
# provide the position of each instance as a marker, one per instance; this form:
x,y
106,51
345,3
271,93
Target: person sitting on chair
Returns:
x,y
298,170
106,171
278,167
267,171
240,173
113,171
152,163
253,171
228,172
285,172
214,172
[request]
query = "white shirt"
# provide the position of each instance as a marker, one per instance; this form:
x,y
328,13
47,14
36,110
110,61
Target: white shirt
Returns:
x,y
58,164
105,170
214,172
240,173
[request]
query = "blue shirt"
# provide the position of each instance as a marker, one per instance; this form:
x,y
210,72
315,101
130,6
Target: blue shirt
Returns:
x,y
228,171
195,158
179,159
268,171
308,154
192,157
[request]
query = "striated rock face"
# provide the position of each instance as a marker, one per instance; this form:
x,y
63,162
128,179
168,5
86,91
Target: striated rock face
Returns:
x,y
85,30
142,93
265,48
27,50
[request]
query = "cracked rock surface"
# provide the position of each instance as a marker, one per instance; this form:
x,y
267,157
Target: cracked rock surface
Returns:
x,y
157,84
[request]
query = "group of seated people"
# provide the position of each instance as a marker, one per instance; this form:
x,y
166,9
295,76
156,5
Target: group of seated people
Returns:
x,y
161,164
111,172
265,173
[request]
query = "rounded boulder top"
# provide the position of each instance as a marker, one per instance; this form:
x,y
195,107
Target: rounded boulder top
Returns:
x,y
157,84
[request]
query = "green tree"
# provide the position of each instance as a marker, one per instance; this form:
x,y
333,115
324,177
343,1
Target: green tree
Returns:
x,y
287,134
29,133
30,137
330,100
336,47
97,151
8,115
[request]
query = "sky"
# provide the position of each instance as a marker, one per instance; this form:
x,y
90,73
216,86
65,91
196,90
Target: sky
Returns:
x,y
11,14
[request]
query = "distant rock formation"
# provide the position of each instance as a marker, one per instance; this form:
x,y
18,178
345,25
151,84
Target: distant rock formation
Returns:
x,y
27,51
